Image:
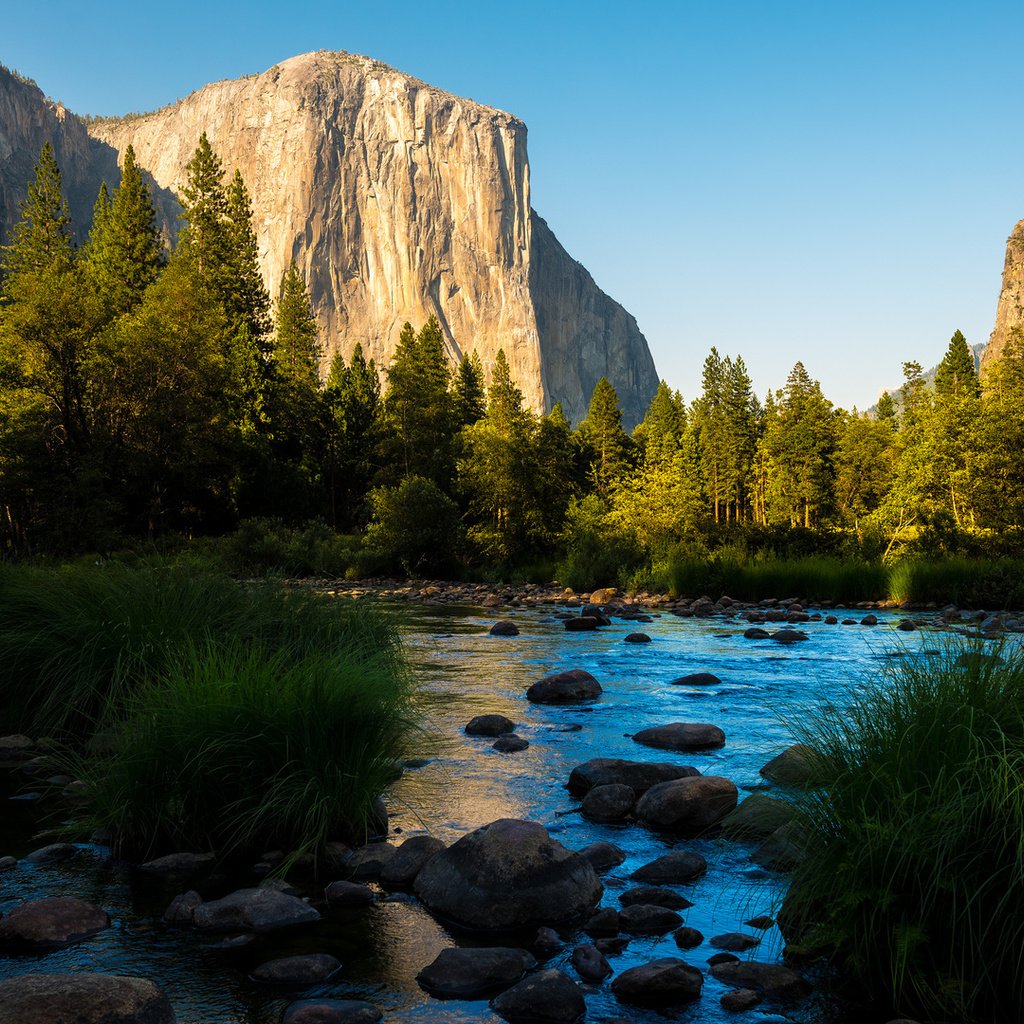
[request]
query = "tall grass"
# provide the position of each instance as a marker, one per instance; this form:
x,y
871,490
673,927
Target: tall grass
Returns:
x,y
914,877
969,582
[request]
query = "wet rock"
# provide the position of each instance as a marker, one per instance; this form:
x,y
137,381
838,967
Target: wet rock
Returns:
x,y
280,885
504,627
640,776
369,861
734,942
608,803
772,981
408,860
348,894
489,725
308,969
474,972
508,874
55,853
795,766
181,864
590,962
676,867
648,919
603,856
581,624
690,806
547,941
510,744
869,620
830,620
572,687
698,679
654,895
50,923
756,633
15,749
258,910
612,944
907,625
782,850
547,996
182,908
232,943
789,636
636,638
687,938
761,922
82,999
661,982
604,595
7,863
722,958
757,817
682,736
604,922
331,1011
740,1000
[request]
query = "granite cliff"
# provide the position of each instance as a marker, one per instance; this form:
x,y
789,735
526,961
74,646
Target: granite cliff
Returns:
x,y
1010,309
396,200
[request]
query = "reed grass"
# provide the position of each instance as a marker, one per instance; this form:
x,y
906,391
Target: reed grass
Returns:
x,y
914,872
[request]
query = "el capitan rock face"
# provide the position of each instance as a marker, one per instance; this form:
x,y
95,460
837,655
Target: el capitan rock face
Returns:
x,y
1010,310
396,200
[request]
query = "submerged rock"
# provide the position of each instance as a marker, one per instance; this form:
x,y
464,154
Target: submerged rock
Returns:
x,y
572,687
682,736
698,679
678,866
331,1011
508,874
258,910
654,895
308,969
82,999
474,972
511,744
51,923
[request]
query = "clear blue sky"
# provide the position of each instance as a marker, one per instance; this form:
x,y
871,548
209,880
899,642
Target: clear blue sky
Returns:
x,y
831,182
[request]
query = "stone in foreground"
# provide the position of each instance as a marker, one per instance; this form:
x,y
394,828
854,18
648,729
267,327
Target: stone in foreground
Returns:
x,y
590,962
82,999
795,766
682,736
757,817
508,874
677,867
549,996
608,803
331,1011
257,910
640,776
663,982
474,972
489,725
409,859
308,969
690,806
572,687
51,923
773,981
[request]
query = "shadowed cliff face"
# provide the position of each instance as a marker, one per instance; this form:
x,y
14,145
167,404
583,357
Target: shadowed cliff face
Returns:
x,y
1010,310
397,201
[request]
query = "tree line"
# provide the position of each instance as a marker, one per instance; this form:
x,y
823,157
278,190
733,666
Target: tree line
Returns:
x,y
149,390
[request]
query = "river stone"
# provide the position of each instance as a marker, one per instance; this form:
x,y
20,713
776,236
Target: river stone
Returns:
x,y
308,969
82,999
789,636
676,867
547,996
608,803
179,864
15,748
687,938
773,981
590,962
869,620
258,910
653,895
648,919
408,860
659,983
640,776
830,620
698,679
637,638
182,908
474,972
51,923
690,806
611,945
782,850
8,863
603,595
682,736
570,687
504,627
907,625
757,817
367,862
55,853
508,874
722,958
489,725
756,633
348,894
604,856
761,922
604,922
795,766
734,942
510,744
581,623
739,1000
331,1011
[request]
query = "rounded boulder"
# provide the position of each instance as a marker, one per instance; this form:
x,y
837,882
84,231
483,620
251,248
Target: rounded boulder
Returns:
x,y
82,999
572,687
690,806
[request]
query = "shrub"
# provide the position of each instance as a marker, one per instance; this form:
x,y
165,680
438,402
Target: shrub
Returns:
x,y
914,872
596,554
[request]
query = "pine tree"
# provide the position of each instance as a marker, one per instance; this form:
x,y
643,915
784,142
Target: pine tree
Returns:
x,y
956,374
42,237
740,415
245,296
713,432
505,411
470,398
658,433
602,431
886,408
296,348
204,241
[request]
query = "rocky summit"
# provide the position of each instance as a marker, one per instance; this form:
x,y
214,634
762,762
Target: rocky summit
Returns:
x,y
396,200
1010,310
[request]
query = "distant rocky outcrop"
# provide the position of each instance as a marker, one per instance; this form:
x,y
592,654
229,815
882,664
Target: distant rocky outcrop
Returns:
x,y
1010,309
397,200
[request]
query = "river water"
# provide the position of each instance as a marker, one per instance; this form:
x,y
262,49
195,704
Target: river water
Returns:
x,y
465,784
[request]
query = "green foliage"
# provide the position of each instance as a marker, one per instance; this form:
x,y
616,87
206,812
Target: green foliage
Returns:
x,y
601,431
968,582
596,554
913,872
42,237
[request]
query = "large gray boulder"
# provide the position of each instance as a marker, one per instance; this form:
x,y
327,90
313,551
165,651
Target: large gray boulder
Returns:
x,y
674,868
547,997
508,874
690,806
682,736
474,972
82,999
257,910
51,923
661,982
640,776
572,687
795,766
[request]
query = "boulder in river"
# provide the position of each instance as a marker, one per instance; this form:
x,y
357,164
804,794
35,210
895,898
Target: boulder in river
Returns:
x,y
604,856
82,999
349,894
504,627
655,896
773,981
690,806
640,776
510,744
50,923
547,997
734,942
474,972
673,868
331,1011
572,687
757,817
508,874
369,861
590,962
648,919
305,969
408,860
581,624
796,766
637,638
257,910
662,982
682,736
608,803
489,725
698,679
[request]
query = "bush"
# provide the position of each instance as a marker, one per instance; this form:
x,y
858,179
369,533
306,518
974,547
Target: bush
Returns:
x,y
596,554
914,872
